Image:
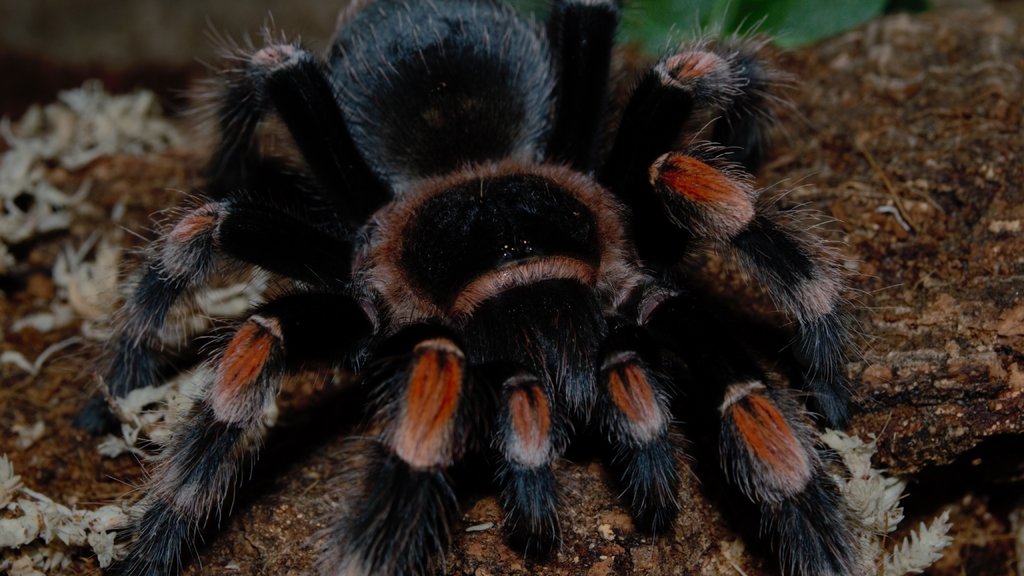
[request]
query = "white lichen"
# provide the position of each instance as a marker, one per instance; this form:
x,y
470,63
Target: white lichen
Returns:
x,y
86,276
209,303
28,435
921,549
1017,530
148,415
39,535
872,496
58,316
17,359
10,482
83,125
873,500
33,367
23,566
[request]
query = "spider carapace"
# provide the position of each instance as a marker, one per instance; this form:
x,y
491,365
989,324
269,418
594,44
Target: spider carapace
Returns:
x,y
477,228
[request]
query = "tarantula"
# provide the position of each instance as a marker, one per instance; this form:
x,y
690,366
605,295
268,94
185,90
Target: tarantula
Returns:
x,y
495,254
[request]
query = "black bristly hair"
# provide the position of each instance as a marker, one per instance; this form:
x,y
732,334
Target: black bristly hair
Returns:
x,y
496,255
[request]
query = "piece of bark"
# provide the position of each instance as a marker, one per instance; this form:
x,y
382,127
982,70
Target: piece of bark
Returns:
x,y
916,122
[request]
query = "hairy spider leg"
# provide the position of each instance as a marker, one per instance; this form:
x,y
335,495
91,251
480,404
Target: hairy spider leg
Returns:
x,y
399,504
722,84
248,232
797,270
635,417
530,434
696,194
252,223
581,33
289,80
204,457
767,446
747,123
681,87
546,331
701,195
804,279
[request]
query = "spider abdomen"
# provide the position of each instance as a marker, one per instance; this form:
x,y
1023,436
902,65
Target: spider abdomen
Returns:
x,y
428,90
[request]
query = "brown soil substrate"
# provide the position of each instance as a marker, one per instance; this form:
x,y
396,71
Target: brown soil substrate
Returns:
x,y
920,113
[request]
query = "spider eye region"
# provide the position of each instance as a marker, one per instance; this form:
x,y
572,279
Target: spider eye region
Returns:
x,y
511,225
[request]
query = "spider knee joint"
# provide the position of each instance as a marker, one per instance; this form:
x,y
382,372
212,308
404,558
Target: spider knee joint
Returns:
x,y
714,203
764,451
702,73
527,430
276,56
425,434
188,247
637,411
245,377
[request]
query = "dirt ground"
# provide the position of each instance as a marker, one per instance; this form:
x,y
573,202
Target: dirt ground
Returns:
x,y
920,116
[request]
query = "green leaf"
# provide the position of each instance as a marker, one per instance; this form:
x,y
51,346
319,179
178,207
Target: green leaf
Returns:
x,y
656,24
653,24
798,22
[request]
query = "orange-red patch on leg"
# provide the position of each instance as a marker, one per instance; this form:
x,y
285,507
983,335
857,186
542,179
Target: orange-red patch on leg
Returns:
x,y
632,394
530,420
695,65
423,435
715,202
770,439
241,366
698,181
194,223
